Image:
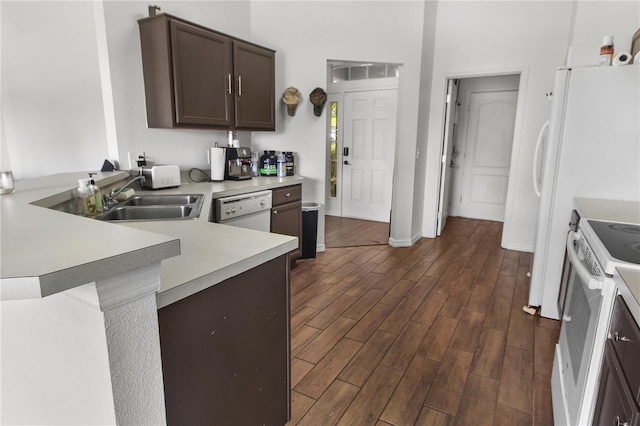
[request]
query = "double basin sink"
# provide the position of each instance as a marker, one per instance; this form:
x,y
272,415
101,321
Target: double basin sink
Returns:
x,y
156,207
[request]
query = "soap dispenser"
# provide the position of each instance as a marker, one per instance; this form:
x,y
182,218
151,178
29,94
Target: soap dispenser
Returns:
x,y
86,199
95,189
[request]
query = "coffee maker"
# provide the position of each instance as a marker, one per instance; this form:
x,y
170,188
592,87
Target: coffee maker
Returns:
x,y
237,163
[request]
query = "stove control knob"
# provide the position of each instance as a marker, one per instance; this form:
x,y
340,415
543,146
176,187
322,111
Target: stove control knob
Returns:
x,y
228,211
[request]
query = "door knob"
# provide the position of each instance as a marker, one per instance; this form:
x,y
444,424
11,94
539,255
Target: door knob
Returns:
x,y
346,163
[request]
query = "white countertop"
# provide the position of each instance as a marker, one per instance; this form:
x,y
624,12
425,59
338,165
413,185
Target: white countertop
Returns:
x,y
44,251
609,210
212,252
630,291
617,211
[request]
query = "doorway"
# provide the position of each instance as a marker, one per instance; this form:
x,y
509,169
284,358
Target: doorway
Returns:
x,y
477,144
361,128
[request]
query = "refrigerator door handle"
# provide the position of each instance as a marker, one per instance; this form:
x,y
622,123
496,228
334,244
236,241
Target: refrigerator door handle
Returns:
x,y
536,153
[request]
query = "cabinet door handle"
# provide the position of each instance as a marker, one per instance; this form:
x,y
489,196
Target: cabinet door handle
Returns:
x,y
275,212
620,422
618,338
239,85
287,195
229,89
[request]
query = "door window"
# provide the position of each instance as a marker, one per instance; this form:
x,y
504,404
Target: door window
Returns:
x,y
333,151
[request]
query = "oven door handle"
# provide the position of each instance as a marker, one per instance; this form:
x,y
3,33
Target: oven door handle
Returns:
x,y
593,282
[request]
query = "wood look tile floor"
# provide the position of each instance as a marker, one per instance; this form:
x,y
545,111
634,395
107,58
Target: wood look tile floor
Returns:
x,y
432,334
347,232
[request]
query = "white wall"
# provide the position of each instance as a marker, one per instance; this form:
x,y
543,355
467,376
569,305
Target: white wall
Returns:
x,y
476,38
53,118
52,115
306,35
186,148
480,38
55,366
424,121
594,20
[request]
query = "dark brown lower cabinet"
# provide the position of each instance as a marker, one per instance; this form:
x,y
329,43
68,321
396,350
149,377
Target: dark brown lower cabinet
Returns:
x,y
619,388
286,215
225,351
615,404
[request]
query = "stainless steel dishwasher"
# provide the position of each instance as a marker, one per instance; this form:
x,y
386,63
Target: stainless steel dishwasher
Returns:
x,y
251,210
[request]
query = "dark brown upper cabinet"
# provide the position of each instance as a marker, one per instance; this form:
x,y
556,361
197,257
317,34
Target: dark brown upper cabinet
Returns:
x,y
195,77
254,76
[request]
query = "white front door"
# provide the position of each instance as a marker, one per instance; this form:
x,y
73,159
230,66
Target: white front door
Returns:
x,y
368,154
486,140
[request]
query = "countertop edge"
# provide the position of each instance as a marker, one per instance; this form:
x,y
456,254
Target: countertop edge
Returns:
x,y
56,282
137,252
174,294
630,291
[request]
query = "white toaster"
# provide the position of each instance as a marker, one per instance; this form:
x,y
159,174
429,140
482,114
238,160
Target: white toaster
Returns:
x,y
165,176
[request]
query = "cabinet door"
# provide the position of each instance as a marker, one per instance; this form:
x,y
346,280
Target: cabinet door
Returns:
x,y
625,336
615,404
201,62
287,219
254,74
225,351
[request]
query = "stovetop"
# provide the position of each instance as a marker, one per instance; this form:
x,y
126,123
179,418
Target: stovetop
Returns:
x,y
622,240
614,244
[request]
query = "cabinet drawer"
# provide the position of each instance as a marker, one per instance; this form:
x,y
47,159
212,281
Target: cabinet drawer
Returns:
x,y
625,336
286,195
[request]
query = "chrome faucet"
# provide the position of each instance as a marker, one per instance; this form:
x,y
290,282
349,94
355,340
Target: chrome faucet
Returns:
x,y
110,200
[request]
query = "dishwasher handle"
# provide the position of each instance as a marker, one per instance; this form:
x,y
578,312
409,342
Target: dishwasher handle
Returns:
x,y
235,206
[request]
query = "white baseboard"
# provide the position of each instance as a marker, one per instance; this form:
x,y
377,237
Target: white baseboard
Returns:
x,y
404,243
519,247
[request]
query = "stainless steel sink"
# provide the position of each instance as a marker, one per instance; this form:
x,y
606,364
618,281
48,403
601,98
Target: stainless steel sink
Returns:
x,y
161,200
156,207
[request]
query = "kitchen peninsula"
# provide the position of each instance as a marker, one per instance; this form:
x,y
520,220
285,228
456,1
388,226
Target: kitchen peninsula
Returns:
x,y
80,296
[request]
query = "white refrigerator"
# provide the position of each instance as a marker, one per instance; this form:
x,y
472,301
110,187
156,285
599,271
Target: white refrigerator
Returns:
x,y
592,151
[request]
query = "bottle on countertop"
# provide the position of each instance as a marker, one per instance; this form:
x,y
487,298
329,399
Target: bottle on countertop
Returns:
x,y
86,199
282,166
95,189
289,159
606,51
268,164
255,164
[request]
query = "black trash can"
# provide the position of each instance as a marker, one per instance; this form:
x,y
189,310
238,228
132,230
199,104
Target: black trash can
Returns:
x,y
309,229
